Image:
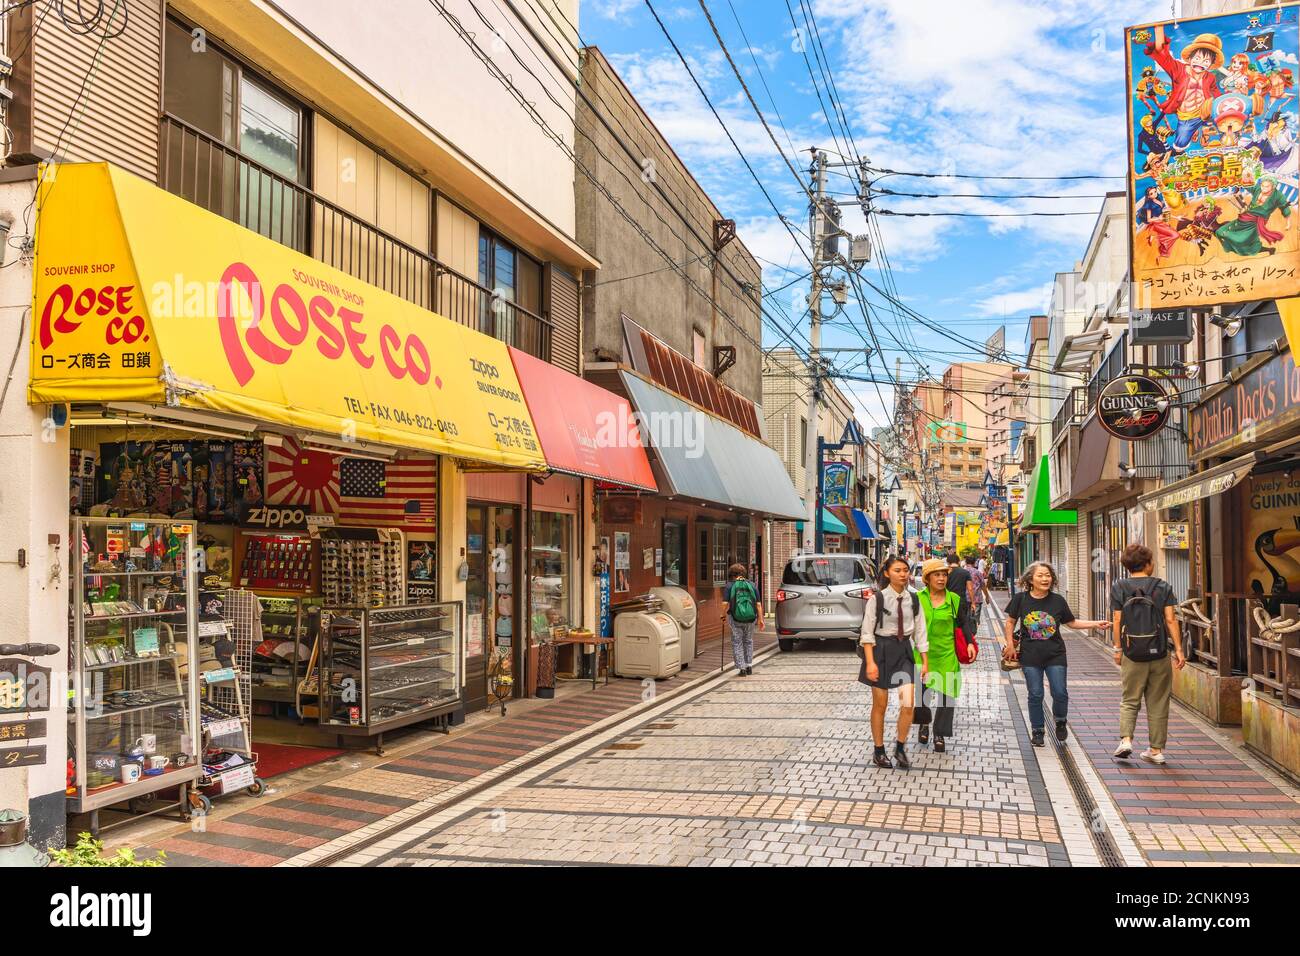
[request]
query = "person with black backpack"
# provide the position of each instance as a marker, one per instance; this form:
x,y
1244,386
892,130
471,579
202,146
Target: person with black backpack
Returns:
x,y
1142,611
742,614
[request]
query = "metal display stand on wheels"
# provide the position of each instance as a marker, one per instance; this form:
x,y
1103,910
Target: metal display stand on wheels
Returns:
x,y
133,730
229,761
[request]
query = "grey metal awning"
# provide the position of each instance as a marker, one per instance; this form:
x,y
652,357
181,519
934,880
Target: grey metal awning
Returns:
x,y
702,457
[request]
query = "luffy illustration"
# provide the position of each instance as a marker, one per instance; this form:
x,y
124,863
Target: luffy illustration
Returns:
x,y
1194,84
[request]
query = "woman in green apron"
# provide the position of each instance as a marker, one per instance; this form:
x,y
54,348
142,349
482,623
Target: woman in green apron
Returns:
x,y
941,608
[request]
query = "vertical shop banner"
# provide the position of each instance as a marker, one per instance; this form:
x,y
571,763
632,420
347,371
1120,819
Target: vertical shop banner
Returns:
x,y
836,478
1213,175
606,619
622,561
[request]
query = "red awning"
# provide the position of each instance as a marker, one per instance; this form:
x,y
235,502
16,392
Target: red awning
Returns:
x,y
584,429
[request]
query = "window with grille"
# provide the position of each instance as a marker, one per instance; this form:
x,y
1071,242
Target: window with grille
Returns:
x,y
721,553
705,539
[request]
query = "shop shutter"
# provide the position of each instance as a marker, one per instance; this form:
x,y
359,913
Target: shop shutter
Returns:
x,y
115,117
562,310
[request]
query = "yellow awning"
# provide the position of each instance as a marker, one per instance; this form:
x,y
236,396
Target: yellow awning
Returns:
x,y
141,296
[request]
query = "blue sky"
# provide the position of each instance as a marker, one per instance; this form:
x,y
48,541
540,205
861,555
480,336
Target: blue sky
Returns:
x,y
954,86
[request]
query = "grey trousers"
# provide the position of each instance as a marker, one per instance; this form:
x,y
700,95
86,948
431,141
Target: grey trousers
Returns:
x,y
742,642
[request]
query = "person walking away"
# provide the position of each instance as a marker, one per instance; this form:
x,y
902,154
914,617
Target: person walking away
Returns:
x,y
979,588
893,632
942,610
740,611
1035,616
1142,615
958,581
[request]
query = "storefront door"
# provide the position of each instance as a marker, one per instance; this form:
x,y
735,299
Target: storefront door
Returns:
x,y
492,543
675,553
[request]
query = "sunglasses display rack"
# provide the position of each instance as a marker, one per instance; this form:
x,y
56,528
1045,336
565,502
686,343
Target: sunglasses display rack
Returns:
x,y
365,567
384,668
132,727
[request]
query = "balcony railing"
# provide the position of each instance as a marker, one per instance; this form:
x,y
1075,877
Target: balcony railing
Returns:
x,y
221,179
1112,367
1072,411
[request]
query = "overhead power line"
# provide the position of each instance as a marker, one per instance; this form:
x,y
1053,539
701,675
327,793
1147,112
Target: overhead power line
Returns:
x,y
885,171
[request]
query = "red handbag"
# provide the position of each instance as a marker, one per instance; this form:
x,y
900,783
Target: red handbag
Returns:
x,y
968,649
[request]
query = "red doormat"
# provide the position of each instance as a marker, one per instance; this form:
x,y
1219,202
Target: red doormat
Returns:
x,y
275,759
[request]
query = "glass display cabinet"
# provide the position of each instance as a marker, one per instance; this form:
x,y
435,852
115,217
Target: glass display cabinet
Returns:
x,y
384,668
283,661
134,628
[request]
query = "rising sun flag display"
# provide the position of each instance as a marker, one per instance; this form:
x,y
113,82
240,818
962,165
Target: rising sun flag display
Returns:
x,y
1213,175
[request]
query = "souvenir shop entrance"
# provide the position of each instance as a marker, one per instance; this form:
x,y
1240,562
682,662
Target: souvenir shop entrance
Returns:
x,y
493,545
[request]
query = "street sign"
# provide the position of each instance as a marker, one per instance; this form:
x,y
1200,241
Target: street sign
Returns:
x,y
1129,407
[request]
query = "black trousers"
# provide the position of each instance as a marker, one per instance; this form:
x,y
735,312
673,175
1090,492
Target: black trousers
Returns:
x,y
945,709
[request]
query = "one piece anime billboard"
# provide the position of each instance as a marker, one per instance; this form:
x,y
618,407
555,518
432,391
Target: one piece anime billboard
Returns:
x,y
1213,178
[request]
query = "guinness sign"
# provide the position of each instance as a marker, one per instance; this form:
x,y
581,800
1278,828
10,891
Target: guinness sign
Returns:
x,y
1127,407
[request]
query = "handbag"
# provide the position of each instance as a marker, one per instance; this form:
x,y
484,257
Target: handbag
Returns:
x,y
968,649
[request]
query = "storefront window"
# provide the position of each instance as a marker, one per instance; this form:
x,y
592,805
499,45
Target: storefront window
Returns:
x,y
550,571
721,553
675,553
742,546
704,539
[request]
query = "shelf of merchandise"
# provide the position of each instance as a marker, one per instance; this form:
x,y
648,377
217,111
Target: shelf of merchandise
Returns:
x,y
89,680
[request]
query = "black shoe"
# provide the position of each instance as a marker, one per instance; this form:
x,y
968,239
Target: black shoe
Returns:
x,y
741,672
1062,734
881,759
938,745
923,734
749,672
1037,738
900,758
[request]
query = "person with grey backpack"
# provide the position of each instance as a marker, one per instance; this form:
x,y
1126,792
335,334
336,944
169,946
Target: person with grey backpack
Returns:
x,y
1142,612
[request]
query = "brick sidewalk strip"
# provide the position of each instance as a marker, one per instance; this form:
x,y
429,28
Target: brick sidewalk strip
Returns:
x,y
1208,806
266,831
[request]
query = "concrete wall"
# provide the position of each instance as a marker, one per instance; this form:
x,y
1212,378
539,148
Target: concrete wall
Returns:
x,y
33,513
657,191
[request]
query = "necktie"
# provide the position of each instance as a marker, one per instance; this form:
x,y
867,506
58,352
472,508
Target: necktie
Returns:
x,y
898,603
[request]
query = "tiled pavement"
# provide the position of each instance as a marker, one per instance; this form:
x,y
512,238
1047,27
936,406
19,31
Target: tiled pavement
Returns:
x,y
271,831
1211,804
768,769
772,769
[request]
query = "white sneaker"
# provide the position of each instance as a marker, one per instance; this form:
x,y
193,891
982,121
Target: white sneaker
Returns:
x,y
1149,757
1124,750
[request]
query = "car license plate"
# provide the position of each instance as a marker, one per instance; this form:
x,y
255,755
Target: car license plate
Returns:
x,y
824,609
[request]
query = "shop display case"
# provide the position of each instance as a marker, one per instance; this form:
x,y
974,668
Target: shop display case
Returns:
x,y
282,660
363,566
134,622
384,668
274,562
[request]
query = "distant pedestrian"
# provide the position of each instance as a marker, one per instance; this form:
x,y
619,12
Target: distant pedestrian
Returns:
x,y
959,582
893,635
1035,616
1142,614
943,611
979,587
742,615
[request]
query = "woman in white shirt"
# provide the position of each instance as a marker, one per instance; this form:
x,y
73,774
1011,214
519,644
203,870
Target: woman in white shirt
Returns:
x,y
892,623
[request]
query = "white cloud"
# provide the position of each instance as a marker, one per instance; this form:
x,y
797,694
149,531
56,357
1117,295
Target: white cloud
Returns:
x,y
1015,304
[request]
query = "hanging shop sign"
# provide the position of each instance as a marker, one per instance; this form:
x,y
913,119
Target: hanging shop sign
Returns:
x,y
143,297
1016,494
22,730
24,686
621,509
947,433
1260,404
1161,327
1212,123
1127,407
836,478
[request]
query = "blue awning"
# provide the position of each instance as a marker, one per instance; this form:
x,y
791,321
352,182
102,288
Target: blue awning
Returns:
x,y
697,455
863,522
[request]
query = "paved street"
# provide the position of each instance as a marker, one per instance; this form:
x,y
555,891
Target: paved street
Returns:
x,y
709,770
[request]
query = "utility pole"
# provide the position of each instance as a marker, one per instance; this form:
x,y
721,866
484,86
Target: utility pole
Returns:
x,y
818,222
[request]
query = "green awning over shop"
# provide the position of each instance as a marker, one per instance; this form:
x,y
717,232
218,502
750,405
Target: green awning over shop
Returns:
x,y
1038,511
830,524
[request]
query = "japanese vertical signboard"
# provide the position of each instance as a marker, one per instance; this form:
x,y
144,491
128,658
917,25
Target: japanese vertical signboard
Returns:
x,y
1213,176
836,477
